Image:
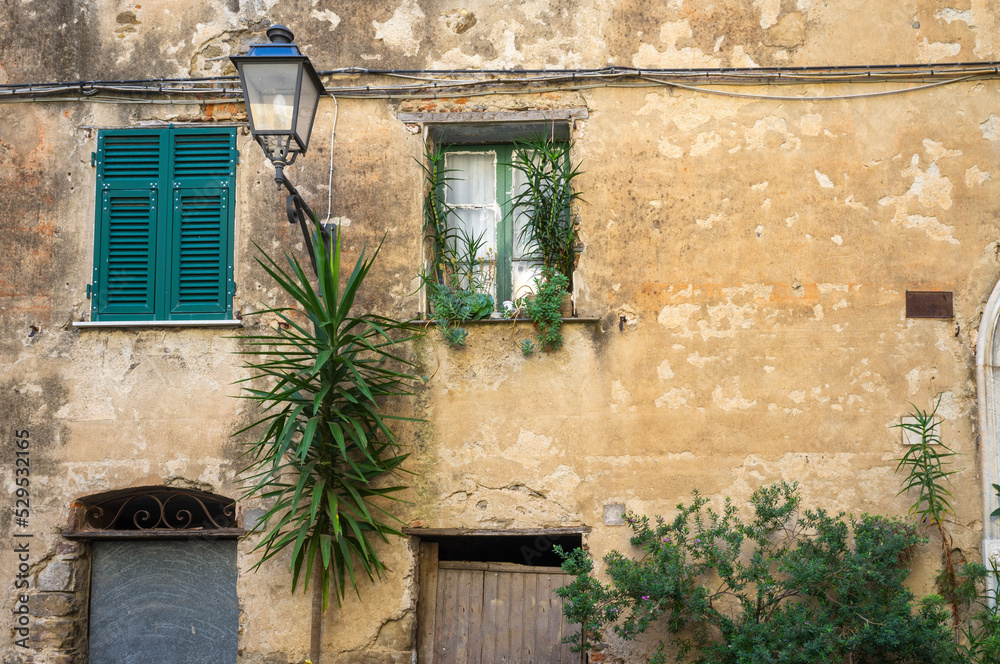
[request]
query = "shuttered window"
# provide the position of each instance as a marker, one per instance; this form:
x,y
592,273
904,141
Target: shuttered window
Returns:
x,y
164,224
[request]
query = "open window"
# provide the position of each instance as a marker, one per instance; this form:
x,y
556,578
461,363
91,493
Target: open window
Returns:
x,y
486,233
480,240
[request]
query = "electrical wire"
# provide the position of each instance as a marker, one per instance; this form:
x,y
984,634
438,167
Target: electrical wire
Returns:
x,y
329,184
863,95
432,84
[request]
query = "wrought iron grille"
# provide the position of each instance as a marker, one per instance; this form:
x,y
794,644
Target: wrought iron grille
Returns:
x,y
158,508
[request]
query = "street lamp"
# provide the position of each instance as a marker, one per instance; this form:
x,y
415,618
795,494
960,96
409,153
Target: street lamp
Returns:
x,y
282,90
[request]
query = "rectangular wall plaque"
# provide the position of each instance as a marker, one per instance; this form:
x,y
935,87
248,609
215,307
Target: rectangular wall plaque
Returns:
x,y
930,304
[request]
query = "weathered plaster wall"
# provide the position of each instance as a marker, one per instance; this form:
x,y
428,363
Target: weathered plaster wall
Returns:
x,y
747,259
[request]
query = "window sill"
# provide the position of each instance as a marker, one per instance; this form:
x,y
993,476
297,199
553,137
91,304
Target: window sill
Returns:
x,y
156,323
500,321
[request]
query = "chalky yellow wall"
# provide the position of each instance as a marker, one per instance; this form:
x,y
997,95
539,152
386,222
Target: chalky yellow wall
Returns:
x,y
745,262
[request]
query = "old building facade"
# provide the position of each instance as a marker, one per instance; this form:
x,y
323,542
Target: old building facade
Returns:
x,y
760,190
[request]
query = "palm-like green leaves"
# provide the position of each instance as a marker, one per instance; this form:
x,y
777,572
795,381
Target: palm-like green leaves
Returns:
x,y
325,445
925,464
544,204
926,474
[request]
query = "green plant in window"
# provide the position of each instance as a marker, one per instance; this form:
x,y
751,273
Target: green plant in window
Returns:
x,y
436,231
462,273
325,444
544,308
452,304
544,205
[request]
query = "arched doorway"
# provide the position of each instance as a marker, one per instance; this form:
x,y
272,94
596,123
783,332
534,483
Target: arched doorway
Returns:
x,y
988,395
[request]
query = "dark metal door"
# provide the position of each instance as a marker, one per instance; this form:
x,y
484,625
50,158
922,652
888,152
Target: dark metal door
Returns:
x,y
168,601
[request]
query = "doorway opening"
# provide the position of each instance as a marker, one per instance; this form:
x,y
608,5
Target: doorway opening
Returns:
x,y
490,598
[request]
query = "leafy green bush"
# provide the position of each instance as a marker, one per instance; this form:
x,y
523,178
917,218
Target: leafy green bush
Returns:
x,y
783,587
544,308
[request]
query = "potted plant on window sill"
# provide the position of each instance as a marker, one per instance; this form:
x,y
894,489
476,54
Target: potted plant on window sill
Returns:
x,y
545,307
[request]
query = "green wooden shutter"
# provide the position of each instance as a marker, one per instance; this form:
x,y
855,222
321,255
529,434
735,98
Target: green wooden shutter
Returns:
x,y
201,223
199,283
130,170
164,233
128,220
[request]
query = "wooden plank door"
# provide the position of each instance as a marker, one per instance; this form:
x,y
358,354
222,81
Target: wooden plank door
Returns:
x,y
498,613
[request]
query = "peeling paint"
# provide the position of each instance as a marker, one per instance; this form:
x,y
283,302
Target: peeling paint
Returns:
x,y
769,11
758,136
327,16
400,31
936,51
824,180
740,58
676,397
686,112
929,187
991,128
705,143
669,149
950,14
734,402
672,56
974,176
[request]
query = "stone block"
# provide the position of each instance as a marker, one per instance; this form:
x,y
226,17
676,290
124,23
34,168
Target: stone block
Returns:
x,y
396,634
68,547
54,633
613,514
46,605
251,518
57,575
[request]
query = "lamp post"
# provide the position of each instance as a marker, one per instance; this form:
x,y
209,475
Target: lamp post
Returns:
x,y
282,90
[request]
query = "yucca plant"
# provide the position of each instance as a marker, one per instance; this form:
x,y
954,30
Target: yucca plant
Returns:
x,y
544,204
927,475
437,232
325,444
